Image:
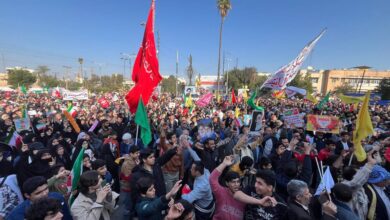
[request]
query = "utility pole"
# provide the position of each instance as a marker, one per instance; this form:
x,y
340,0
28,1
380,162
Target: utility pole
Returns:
x,y
67,68
177,70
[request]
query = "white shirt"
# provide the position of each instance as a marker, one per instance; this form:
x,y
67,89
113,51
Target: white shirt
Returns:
x,y
345,145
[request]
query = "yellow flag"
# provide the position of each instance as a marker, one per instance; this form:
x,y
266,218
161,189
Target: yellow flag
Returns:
x,y
279,94
311,98
245,95
363,129
237,112
350,99
189,103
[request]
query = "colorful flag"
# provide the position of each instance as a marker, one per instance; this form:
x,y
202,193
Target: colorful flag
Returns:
x,y
323,101
311,98
237,112
251,102
350,99
363,129
74,177
204,100
279,94
292,90
56,93
141,119
287,73
13,138
188,101
145,71
71,109
326,183
234,99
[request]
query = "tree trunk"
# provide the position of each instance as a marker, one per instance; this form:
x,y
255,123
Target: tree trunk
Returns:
x,y
219,55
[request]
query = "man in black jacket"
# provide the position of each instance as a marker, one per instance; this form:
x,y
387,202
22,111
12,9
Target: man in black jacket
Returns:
x,y
343,144
300,200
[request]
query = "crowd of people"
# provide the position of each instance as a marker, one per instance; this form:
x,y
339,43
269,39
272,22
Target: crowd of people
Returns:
x,y
202,162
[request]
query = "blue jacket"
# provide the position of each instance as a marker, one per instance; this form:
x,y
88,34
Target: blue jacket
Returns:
x,y
18,212
344,211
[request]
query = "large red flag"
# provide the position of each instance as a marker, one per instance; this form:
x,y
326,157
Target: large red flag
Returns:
x,y
145,72
234,100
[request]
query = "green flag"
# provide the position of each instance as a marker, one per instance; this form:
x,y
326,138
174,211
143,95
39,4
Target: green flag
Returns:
x,y
251,103
23,89
141,119
323,101
74,177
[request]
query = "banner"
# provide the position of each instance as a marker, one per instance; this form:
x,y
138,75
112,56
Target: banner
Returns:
x,y
75,95
287,73
22,124
323,123
295,121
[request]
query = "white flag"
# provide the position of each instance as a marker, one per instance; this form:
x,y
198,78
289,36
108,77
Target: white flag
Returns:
x,y
287,73
292,90
326,183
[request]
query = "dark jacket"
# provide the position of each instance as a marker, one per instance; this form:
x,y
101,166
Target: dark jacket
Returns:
x,y
18,212
345,212
150,209
282,179
380,209
159,183
297,212
339,147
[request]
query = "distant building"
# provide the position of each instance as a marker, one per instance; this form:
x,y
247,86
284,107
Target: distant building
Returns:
x,y
324,81
3,79
210,83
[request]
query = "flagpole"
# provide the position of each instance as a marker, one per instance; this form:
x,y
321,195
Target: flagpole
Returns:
x,y
136,135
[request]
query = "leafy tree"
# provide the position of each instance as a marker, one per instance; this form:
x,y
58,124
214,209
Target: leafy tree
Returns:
x,y
168,84
41,72
49,81
384,88
302,81
237,78
223,6
190,70
20,77
343,88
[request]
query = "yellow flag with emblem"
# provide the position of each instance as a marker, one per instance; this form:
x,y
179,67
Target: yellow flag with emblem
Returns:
x,y
350,99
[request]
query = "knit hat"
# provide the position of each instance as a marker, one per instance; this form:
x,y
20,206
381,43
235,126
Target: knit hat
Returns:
x,y
378,174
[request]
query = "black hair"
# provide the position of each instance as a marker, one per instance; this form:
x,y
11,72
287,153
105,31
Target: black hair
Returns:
x,y
348,173
264,161
199,166
43,207
32,183
231,175
329,142
188,208
145,153
169,135
54,169
268,176
143,184
133,149
85,156
87,179
98,163
246,162
290,169
342,192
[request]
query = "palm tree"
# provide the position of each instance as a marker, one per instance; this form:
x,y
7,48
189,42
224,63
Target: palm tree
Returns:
x,y
41,71
223,6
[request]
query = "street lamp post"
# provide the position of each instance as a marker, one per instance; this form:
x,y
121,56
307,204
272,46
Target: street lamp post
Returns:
x,y
364,68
